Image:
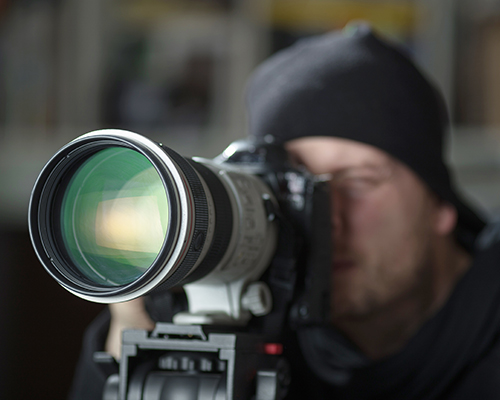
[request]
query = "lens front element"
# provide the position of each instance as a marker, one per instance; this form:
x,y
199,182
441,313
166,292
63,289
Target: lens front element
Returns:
x,y
114,216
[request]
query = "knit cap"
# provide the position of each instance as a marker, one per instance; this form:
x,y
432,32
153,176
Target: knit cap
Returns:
x,y
352,84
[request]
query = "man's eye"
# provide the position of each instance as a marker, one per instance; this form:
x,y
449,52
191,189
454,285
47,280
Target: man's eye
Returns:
x,y
358,182
356,186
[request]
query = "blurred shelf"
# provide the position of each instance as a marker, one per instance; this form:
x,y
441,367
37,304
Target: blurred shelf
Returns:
x,y
394,16
147,12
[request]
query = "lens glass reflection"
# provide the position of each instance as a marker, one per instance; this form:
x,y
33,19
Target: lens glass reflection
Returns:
x,y
114,216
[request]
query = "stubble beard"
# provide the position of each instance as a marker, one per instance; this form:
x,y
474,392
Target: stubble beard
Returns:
x,y
363,293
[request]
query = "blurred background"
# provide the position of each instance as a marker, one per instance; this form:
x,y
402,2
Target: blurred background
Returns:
x,y
175,71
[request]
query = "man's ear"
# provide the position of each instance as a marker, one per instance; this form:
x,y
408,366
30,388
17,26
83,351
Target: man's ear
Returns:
x,y
445,218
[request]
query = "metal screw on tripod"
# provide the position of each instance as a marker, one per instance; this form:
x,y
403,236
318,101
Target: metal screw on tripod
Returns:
x,y
168,363
206,365
187,364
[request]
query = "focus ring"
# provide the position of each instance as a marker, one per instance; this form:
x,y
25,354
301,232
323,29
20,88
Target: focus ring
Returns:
x,y
223,223
201,220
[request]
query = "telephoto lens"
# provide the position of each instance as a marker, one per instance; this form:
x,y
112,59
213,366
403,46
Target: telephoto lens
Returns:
x,y
114,216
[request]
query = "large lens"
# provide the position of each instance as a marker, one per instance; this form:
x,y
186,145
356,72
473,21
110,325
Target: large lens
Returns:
x,y
114,216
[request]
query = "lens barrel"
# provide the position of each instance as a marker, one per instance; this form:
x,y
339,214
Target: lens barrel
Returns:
x,y
114,215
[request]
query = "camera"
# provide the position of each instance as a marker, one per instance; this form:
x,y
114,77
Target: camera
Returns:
x,y
114,216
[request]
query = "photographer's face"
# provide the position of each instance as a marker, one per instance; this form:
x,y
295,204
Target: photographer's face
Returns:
x,y
385,222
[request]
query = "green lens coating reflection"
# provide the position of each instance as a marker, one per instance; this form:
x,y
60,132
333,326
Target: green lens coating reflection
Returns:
x,y
114,216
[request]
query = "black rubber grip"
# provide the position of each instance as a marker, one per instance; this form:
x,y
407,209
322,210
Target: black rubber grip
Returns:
x,y
223,223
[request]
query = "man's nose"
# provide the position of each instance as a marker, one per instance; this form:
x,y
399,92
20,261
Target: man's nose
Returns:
x,y
337,210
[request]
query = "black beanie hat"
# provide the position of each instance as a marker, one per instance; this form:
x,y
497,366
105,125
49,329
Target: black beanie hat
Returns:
x,y
351,84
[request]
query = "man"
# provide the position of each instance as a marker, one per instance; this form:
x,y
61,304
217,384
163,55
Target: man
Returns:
x,y
415,299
